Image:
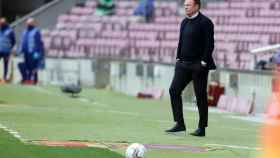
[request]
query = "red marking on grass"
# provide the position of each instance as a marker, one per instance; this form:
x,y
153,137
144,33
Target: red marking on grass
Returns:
x,y
63,143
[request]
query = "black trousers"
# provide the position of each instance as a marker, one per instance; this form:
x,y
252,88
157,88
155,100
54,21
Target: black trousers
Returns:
x,y
184,74
6,57
31,67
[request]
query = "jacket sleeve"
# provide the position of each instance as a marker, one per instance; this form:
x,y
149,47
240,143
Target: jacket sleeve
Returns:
x,y
13,39
39,43
208,37
20,46
41,50
180,41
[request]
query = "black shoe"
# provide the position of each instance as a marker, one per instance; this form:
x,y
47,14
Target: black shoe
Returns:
x,y
176,128
200,132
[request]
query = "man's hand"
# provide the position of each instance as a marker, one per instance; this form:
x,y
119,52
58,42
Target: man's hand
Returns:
x,y
203,63
13,54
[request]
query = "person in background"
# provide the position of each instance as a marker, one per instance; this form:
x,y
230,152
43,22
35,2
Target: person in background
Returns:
x,y
32,48
145,9
7,43
261,65
105,7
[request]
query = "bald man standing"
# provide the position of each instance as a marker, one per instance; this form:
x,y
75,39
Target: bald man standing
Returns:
x,y
33,49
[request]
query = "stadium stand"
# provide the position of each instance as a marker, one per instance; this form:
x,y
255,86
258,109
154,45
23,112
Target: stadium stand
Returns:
x,y
82,34
240,26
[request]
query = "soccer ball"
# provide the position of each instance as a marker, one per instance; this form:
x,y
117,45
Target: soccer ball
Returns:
x,y
135,150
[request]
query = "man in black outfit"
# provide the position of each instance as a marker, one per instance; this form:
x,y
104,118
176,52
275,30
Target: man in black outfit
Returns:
x,y
194,60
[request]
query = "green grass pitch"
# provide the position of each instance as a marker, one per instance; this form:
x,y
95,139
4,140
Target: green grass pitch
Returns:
x,y
44,113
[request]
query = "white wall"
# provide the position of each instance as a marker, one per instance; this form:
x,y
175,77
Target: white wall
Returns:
x,y
131,83
60,71
248,84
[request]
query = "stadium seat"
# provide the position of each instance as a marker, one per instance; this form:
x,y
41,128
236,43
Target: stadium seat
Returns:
x,y
240,26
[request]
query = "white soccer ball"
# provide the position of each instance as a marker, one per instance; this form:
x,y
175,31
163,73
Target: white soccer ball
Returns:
x,y
135,150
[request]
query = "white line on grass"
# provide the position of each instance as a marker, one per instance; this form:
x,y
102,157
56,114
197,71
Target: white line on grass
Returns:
x,y
211,110
234,146
118,112
124,113
17,136
14,133
43,90
237,128
86,100
3,127
255,119
100,104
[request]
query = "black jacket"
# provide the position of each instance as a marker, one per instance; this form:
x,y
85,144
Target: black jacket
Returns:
x,y
196,41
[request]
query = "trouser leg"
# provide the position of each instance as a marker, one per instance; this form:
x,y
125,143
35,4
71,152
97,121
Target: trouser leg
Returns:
x,y
179,82
200,79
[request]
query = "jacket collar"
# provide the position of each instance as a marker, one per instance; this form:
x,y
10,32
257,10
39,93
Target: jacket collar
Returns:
x,y
193,16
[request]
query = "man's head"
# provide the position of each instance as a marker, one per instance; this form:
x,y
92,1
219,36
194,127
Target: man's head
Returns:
x,y
3,21
192,6
30,22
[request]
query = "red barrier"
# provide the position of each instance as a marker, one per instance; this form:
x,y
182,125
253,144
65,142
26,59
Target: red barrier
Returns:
x,y
215,90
